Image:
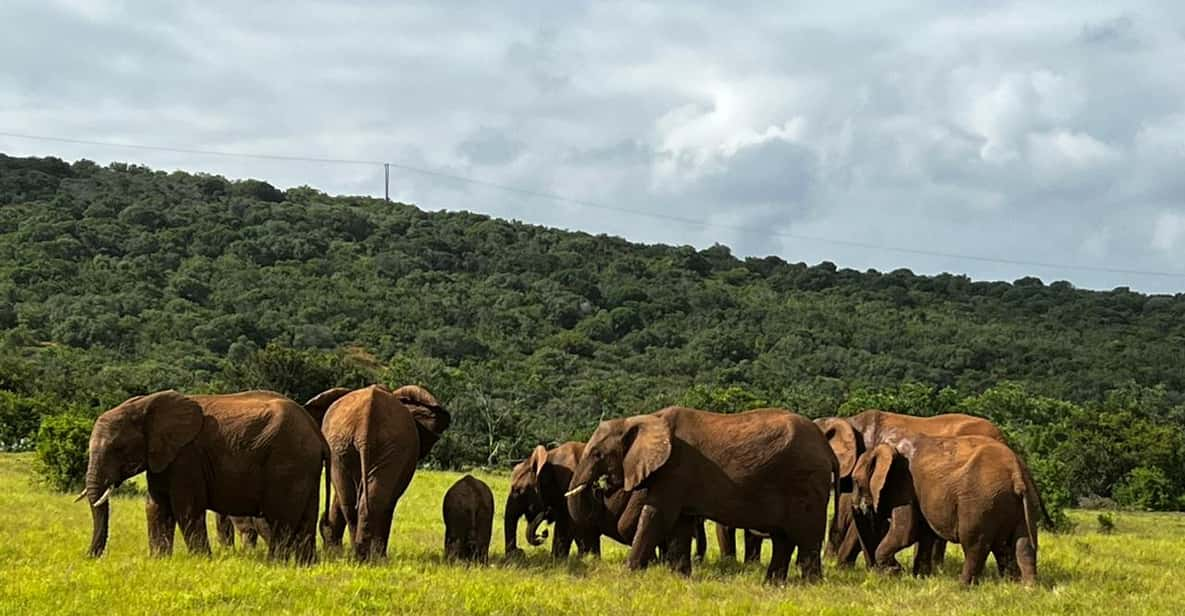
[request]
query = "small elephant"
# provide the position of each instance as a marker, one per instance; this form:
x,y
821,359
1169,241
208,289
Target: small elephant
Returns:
x,y
376,436
254,453
468,511
537,487
970,490
769,470
727,539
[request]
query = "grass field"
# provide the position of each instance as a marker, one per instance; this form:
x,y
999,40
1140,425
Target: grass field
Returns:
x,y
1139,569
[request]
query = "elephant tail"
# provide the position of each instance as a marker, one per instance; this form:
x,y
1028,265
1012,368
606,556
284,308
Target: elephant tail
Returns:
x,y
327,457
1030,501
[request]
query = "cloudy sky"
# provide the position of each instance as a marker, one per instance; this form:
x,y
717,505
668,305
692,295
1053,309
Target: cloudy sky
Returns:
x,y
1042,139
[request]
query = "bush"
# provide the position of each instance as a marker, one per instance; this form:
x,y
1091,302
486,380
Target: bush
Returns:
x,y
1145,488
1106,523
61,451
19,418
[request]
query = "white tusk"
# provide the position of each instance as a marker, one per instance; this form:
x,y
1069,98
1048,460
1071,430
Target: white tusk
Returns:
x,y
103,499
574,491
81,495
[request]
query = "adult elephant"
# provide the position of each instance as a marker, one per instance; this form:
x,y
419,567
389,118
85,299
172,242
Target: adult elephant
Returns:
x,y
250,529
376,436
767,470
254,453
537,487
850,437
970,490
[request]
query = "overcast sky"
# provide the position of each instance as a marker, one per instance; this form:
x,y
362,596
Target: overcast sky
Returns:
x,y
1049,132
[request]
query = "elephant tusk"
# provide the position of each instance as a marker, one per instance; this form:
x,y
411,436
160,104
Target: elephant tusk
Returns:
x,y
81,495
574,491
103,499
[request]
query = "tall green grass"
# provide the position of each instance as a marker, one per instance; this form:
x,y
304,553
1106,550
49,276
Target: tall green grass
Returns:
x,y
1138,569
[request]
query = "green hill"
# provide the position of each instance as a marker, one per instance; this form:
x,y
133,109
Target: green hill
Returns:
x,y
116,280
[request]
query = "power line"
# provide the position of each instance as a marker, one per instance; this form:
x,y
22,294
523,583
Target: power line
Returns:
x,y
526,192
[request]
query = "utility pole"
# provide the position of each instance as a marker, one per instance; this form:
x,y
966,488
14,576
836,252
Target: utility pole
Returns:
x,y
387,181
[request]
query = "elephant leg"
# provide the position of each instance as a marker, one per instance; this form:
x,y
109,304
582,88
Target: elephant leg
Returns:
x,y
974,557
588,542
1026,558
653,527
808,541
225,530
849,548
250,538
1005,561
701,540
924,555
779,562
192,521
561,541
679,546
939,556
161,525
727,540
333,525
752,547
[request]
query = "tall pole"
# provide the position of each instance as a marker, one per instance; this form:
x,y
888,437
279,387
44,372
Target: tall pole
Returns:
x,y
387,181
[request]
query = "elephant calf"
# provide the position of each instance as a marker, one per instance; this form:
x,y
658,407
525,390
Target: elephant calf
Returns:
x,y
468,520
970,490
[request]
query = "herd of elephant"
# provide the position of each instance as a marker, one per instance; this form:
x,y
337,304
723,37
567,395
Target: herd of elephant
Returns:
x,y
649,481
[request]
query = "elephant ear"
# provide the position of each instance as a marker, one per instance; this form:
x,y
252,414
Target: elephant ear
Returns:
x,y
844,442
882,475
538,460
647,448
171,422
319,404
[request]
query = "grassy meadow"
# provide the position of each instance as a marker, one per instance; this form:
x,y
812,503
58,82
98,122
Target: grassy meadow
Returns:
x,y
1138,569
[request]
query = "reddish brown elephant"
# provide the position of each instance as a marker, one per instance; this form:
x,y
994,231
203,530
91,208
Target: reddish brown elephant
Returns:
x,y
376,436
768,470
851,436
255,453
970,490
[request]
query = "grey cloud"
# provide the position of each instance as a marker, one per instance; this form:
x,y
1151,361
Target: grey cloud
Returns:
x,y
490,146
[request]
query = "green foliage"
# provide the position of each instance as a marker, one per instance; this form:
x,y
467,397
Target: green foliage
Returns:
x,y
1106,523
300,375
62,443
20,417
1146,489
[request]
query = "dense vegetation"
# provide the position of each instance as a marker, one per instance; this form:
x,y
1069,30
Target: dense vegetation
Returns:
x,y
119,280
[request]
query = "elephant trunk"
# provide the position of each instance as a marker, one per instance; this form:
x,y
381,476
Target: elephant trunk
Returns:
x,y
533,536
97,494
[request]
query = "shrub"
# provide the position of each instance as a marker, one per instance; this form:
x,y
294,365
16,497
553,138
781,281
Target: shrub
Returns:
x,y
1145,488
19,419
62,442
1106,523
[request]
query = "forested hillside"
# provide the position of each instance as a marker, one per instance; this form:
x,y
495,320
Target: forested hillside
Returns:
x,y
119,280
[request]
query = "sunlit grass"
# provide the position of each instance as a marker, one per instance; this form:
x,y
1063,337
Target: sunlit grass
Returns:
x,y
1140,569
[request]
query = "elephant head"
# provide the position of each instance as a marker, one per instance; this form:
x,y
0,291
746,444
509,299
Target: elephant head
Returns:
x,y
880,477
622,454
431,418
143,433
526,498
319,404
